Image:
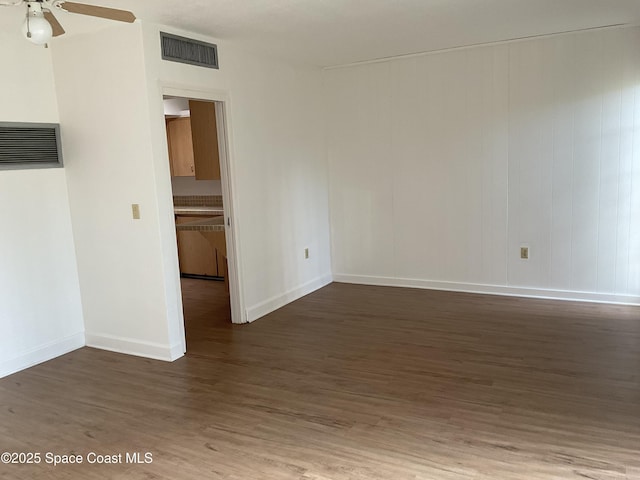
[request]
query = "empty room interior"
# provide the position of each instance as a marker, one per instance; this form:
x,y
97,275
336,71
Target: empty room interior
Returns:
x,y
320,240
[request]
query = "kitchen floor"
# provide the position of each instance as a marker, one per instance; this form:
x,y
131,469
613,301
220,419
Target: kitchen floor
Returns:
x,y
206,309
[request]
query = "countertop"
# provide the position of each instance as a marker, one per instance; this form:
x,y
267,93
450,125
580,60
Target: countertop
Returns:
x,y
198,210
215,224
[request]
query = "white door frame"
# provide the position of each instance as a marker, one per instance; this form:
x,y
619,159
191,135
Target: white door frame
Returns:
x,y
223,121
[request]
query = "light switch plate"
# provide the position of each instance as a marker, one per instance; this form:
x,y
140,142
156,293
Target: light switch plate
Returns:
x,y
135,211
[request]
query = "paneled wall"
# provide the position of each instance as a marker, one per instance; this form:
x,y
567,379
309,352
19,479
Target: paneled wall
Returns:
x,y
574,149
443,165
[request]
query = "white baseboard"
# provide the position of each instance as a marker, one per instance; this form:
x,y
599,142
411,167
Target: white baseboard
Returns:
x,y
41,354
130,346
489,289
274,303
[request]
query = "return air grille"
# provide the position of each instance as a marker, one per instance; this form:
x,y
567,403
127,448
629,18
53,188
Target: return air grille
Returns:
x,y
29,145
186,50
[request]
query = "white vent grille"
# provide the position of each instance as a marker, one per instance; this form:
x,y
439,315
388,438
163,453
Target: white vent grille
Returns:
x,y
29,145
186,50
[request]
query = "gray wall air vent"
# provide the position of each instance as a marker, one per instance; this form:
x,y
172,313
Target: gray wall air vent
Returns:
x,y
186,50
30,145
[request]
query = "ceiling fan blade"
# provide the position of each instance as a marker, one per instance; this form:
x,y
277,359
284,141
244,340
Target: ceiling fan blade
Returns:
x,y
55,24
102,12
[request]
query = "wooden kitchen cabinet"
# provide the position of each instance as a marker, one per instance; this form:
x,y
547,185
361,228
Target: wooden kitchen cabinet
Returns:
x,y
195,253
181,157
205,140
221,257
193,143
217,240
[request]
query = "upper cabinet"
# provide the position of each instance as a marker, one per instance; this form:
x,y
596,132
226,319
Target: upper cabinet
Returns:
x,y
193,143
180,148
204,135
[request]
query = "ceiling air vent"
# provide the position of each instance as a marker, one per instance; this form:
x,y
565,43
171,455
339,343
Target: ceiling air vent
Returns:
x,y
186,50
30,145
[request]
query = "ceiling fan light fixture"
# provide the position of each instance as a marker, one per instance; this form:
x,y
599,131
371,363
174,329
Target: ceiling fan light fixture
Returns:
x,y
41,25
36,28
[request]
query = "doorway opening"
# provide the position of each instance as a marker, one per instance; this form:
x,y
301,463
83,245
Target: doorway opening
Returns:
x,y
200,181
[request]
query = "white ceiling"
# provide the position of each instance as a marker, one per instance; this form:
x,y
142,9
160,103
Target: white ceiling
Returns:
x,y
333,32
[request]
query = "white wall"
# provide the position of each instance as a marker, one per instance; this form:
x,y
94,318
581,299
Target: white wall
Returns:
x,y
278,167
116,154
40,310
186,186
176,106
109,162
443,165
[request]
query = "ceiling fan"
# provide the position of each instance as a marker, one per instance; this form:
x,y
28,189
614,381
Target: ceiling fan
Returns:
x,y
40,25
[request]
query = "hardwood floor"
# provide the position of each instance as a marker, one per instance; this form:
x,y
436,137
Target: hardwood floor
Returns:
x,y
351,382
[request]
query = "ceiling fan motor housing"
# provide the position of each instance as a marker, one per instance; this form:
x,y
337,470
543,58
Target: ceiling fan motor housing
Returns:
x,y
34,9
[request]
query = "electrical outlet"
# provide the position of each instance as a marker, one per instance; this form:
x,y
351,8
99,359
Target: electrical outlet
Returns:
x,y
135,211
306,253
524,253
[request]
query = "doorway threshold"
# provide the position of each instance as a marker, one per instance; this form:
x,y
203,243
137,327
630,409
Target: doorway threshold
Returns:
x,y
202,277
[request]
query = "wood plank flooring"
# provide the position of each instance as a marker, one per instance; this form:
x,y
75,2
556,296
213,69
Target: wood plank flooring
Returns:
x,y
351,382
